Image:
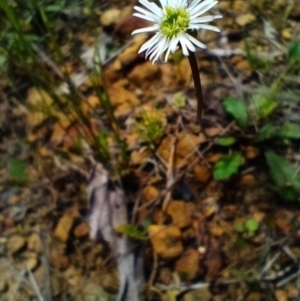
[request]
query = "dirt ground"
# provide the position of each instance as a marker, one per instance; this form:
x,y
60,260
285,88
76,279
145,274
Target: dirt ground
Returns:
x,y
201,237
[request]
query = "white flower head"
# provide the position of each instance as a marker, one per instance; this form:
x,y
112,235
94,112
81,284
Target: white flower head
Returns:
x,y
173,24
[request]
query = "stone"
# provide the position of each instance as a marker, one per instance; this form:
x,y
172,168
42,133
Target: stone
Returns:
x,y
150,193
82,230
31,263
144,74
73,276
61,262
187,265
243,65
286,33
202,173
166,240
201,294
34,243
245,19
165,276
110,17
181,213
281,295
120,96
63,227
15,244
251,152
130,54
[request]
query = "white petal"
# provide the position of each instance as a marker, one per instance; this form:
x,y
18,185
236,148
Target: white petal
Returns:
x,y
188,43
182,3
152,7
196,42
150,43
146,29
149,18
147,13
182,40
203,19
163,3
202,8
173,44
194,3
209,27
167,53
161,46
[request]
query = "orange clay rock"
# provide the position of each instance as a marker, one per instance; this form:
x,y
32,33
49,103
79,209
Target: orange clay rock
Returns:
x,y
187,264
181,213
166,240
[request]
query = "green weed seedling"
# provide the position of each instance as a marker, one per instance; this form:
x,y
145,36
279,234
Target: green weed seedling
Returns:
x,y
250,227
150,128
227,166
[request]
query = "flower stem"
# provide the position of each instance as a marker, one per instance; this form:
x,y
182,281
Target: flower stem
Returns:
x,y
198,88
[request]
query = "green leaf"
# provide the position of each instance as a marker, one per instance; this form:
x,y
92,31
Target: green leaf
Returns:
x,y
285,175
294,52
252,225
237,108
178,100
290,131
17,169
55,7
268,131
240,228
131,231
227,166
262,103
225,141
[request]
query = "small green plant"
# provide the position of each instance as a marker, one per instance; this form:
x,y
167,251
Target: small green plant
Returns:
x,y
227,166
17,170
243,275
237,108
255,61
179,100
132,231
225,141
150,128
285,175
250,227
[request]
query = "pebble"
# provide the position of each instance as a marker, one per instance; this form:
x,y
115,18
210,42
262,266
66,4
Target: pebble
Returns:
x,y
34,243
110,17
82,230
63,227
166,240
245,19
15,244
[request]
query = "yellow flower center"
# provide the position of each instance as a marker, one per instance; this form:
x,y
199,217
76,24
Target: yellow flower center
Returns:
x,y
175,22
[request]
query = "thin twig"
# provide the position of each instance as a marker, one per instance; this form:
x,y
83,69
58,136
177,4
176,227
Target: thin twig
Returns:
x,y
34,286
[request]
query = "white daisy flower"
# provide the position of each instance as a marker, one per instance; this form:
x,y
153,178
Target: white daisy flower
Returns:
x,y
173,24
